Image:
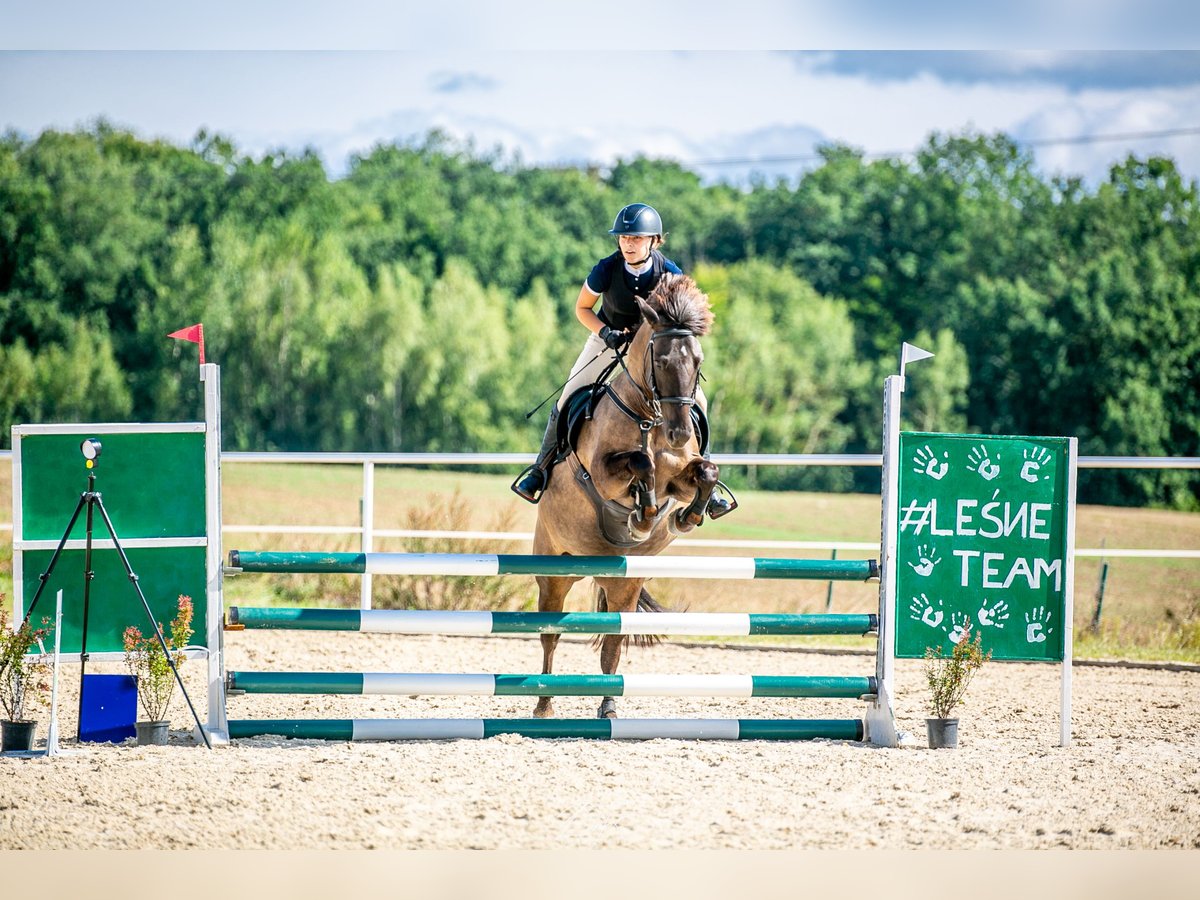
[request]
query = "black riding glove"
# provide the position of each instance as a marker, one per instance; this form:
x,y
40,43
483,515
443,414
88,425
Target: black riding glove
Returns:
x,y
612,338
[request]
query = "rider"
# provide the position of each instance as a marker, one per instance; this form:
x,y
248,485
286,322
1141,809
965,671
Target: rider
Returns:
x,y
633,271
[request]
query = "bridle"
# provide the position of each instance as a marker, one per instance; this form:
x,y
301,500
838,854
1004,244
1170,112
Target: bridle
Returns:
x,y
656,399
653,399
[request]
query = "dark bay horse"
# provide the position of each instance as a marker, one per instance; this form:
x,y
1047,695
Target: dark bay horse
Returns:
x,y
637,464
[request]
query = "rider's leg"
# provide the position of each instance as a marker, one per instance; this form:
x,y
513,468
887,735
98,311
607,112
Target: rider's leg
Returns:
x,y
717,505
534,479
593,359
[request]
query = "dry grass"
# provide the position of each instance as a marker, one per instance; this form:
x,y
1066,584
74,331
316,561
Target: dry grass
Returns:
x,y
1151,606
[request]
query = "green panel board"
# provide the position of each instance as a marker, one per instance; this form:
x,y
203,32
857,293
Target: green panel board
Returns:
x,y
982,543
163,574
152,484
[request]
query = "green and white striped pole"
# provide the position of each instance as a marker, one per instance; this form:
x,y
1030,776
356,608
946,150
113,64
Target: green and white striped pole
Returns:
x,y
474,622
420,683
709,567
604,729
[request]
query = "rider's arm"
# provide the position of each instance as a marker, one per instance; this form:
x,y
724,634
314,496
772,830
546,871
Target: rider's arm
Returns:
x,y
585,309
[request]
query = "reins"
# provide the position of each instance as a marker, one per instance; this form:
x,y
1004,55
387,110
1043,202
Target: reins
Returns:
x,y
651,397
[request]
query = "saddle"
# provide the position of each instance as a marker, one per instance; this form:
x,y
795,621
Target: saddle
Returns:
x,y
581,406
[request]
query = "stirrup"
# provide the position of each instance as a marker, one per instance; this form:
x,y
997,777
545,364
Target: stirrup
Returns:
x,y
718,506
533,496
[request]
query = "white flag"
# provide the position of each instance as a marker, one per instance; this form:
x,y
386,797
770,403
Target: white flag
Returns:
x,y
910,353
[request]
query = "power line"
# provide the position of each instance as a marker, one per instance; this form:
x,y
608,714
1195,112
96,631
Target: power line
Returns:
x,y
1033,142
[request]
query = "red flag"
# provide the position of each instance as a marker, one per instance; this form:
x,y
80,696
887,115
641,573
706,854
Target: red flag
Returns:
x,y
193,333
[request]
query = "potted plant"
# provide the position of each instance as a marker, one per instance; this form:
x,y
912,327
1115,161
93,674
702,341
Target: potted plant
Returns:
x,y
948,678
23,680
145,660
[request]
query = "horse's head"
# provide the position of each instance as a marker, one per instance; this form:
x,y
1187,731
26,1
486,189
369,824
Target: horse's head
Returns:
x,y
676,314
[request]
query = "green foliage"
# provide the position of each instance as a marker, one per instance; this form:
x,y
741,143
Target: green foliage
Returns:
x,y
425,300
23,677
779,363
937,398
948,677
146,661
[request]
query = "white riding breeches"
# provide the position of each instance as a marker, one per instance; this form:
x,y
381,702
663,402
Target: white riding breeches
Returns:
x,y
593,359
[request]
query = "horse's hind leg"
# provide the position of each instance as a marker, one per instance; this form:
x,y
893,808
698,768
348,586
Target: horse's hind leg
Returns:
x,y
552,593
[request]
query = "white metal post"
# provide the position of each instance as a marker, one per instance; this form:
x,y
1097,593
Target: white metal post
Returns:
x,y
368,527
218,727
1068,597
881,723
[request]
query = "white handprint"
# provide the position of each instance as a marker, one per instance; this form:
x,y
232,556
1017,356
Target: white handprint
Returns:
x,y
922,611
995,615
927,559
961,625
1037,625
978,461
1034,460
928,464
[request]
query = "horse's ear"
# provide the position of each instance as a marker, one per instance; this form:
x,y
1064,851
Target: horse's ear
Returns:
x,y
648,312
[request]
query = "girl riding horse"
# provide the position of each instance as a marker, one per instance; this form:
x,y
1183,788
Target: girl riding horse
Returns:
x,y
618,281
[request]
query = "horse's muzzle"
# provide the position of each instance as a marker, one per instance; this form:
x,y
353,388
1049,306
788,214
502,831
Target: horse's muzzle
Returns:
x,y
678,435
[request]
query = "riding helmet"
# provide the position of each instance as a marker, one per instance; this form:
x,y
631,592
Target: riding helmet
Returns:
x,y
639,219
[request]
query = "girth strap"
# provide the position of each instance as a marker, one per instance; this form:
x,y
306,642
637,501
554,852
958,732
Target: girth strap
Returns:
x,y
612,517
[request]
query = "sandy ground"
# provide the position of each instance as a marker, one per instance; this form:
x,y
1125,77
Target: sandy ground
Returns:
x,y
1131,779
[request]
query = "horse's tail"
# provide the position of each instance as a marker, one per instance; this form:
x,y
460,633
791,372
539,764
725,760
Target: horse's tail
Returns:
x,y
646,603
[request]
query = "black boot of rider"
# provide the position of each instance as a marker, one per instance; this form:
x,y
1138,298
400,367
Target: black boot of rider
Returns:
x,y
530,483
717,505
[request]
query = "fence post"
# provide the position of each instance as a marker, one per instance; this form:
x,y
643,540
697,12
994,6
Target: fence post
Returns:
x,y
367,507
829,591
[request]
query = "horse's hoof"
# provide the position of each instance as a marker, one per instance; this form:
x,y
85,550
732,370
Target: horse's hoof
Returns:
x,y
543,712
608,710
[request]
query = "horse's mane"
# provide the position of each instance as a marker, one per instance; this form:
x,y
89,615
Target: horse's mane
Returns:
x,y
680,304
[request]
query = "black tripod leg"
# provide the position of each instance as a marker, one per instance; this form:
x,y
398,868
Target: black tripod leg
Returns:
x,y
153,624
88,575
45,576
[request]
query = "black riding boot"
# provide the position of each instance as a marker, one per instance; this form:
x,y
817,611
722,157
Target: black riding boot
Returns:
x,y
717,505
530,483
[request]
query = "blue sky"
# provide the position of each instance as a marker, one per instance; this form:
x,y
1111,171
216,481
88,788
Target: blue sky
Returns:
x,y
590,82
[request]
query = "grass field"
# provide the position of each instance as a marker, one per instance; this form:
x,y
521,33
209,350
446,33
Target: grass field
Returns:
x,y
1151,606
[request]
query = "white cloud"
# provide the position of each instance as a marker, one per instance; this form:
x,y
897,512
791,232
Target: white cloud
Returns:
x,y
558,106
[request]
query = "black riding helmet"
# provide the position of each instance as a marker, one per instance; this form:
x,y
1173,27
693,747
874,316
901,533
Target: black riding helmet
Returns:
x,y
638,219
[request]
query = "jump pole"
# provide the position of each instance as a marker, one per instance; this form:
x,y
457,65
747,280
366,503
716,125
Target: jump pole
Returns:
x,y
486,564
488,685
604,729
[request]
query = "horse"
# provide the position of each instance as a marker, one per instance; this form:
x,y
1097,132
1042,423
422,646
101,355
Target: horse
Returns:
x,y
636,460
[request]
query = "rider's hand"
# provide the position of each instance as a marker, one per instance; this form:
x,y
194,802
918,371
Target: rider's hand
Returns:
x,y
612,338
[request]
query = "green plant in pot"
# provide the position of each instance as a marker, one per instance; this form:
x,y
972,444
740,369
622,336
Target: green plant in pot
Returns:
x,y
24,680
948,678
145,660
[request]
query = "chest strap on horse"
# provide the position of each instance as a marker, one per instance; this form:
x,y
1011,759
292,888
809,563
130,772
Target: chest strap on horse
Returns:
x,y
615,521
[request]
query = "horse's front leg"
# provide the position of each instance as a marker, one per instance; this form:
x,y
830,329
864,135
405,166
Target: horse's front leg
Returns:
x,y
552,593
620,595
637,469
702,475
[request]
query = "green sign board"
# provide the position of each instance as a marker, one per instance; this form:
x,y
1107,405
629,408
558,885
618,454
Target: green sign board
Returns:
x,y
984,543
151,481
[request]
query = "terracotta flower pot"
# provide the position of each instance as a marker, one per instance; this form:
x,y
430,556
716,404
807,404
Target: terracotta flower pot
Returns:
x,y
17,735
